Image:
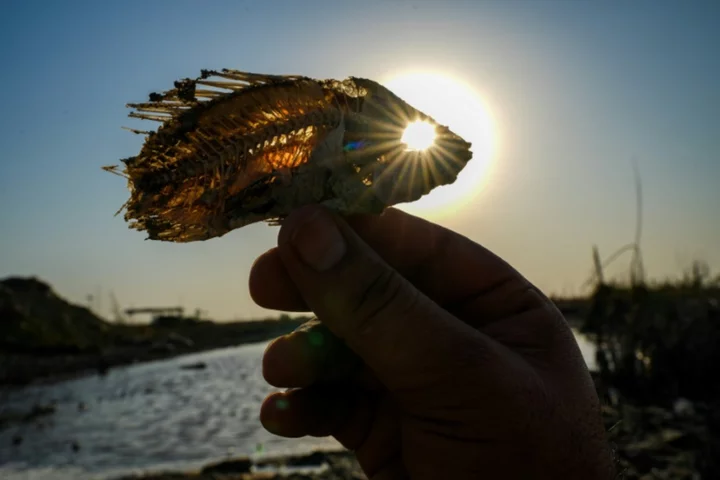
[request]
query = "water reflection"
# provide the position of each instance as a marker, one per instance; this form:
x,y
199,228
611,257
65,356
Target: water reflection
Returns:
x,y
154,415
150,416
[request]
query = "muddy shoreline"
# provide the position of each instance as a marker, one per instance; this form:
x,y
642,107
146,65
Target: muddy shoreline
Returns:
x,y
317,465
648,442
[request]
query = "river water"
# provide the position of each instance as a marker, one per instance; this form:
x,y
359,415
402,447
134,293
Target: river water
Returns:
x,y
148,417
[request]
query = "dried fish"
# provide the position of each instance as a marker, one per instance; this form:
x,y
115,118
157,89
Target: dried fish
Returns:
x,y
249,147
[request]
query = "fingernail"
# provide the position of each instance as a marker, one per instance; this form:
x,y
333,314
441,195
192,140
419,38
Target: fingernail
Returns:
x,y
319,242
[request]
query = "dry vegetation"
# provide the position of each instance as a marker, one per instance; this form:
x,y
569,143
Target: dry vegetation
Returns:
x,y
658,357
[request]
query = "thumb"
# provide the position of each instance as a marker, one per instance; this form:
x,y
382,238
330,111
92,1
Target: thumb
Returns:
x,y
402,335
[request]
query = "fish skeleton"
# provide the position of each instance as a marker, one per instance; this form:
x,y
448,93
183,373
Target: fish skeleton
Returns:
x,y
235,148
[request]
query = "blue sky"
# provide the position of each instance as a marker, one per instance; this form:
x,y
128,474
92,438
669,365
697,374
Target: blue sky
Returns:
x,y
577,91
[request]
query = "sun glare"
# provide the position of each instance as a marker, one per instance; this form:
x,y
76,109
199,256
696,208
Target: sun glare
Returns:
x,y
454,104
419,136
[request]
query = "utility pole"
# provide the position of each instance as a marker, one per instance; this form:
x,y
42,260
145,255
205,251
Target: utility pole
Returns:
x,y
119,318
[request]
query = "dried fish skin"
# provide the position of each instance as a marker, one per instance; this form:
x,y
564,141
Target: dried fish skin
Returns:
x,y
236,148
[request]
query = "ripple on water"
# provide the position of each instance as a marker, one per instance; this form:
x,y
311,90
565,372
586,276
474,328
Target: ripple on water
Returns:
x,y
148,416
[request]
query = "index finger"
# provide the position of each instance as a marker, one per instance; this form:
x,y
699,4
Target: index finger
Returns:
x,y
451,269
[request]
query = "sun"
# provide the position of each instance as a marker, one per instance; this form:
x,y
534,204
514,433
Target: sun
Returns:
x,y
454,104
419,136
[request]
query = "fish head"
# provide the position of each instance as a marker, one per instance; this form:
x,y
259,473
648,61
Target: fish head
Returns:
x,y
407,150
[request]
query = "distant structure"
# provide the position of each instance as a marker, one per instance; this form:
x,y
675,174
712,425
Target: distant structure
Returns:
x,y
159,315
177,311
166,316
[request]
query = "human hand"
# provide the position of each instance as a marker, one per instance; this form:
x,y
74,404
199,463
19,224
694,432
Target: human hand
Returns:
x,y
434,359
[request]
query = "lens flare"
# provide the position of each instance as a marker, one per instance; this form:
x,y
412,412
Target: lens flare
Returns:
x,y
454,103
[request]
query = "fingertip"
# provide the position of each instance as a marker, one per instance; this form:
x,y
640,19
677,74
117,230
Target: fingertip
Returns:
x,y
311,411
271,287
277,416
271,363
266,268
286,363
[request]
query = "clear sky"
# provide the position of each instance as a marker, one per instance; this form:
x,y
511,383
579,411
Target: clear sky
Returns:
x,y
576,92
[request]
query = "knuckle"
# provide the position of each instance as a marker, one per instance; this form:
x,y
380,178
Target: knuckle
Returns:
x,y
384,296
